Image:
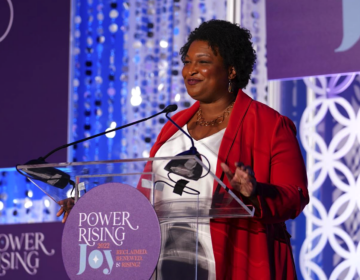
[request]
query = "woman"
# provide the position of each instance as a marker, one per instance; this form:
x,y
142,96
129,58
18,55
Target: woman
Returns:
x,y
242,139
254,140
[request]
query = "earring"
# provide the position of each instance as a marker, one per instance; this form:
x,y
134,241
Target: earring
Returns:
x,y
230,88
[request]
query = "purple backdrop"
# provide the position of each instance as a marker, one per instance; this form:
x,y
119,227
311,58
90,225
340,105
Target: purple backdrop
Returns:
x,y
31,251
33,80
302,37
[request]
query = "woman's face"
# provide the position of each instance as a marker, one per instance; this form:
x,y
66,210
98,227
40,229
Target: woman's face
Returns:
x,y
205,76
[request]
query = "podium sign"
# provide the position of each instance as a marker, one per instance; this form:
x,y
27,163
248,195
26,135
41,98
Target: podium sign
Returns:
x,y
181,192
111,233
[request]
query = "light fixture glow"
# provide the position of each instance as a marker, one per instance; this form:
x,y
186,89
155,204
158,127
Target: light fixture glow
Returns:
x,y
113,28
28,203
136,91
164,44
114,13
136,96
160,87
29,193
46,203
136,100
113,133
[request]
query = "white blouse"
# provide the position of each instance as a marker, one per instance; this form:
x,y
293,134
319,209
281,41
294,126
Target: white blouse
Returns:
x,y
208,147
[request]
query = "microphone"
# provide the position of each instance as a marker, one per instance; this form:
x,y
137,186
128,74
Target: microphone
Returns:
x,y
188,168
169,109
60,179
49,175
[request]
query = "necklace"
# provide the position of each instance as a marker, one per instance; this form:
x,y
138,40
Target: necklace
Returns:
x,y
200,120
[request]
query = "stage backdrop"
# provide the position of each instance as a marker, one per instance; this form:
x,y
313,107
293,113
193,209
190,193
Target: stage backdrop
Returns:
x,y
34,63
310,38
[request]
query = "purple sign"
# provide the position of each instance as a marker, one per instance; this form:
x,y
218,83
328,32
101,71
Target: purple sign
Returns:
x,y
34,71
111,233
31,251
309,38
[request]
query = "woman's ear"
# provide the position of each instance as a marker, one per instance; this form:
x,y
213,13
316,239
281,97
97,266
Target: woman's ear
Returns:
x,y
232,73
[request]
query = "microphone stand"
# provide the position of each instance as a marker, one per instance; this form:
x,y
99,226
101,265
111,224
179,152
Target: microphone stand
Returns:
x,y
167,110
60,179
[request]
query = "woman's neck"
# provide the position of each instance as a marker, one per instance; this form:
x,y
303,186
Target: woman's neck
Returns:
x,y
216,108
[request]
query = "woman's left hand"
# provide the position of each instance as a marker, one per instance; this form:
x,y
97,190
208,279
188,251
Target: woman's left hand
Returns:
x,y
243,180
66,205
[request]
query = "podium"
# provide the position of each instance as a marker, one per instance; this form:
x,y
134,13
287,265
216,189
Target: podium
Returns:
x,y
183,191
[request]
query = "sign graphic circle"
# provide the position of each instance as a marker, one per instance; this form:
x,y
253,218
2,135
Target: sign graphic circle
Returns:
x,y
3,36
111,233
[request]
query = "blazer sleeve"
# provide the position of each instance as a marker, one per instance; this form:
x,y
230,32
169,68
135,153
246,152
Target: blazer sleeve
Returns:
x,y
286,195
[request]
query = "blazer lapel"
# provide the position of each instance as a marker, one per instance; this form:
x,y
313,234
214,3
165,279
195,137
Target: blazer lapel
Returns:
x,y
238,113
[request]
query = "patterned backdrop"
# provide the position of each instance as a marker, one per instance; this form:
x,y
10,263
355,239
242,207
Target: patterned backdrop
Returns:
x,y
329,132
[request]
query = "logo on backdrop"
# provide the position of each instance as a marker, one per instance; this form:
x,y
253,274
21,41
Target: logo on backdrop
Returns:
x,y
22,252
31,249
11,9
351,24
327,38
114,231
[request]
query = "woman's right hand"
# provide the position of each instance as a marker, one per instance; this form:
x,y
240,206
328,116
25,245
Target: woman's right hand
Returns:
x,y
66,206
243,179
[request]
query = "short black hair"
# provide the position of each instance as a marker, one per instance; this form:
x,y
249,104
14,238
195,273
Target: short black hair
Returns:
x,y
232,42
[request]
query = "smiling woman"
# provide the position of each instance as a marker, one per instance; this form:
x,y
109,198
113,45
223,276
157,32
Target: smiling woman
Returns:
x,y
242,138
206,79
205,74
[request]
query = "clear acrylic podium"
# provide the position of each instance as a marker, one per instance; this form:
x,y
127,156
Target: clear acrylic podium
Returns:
x,y
184,219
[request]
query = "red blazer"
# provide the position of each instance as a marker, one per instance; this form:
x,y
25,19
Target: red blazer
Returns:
x,y
256,135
